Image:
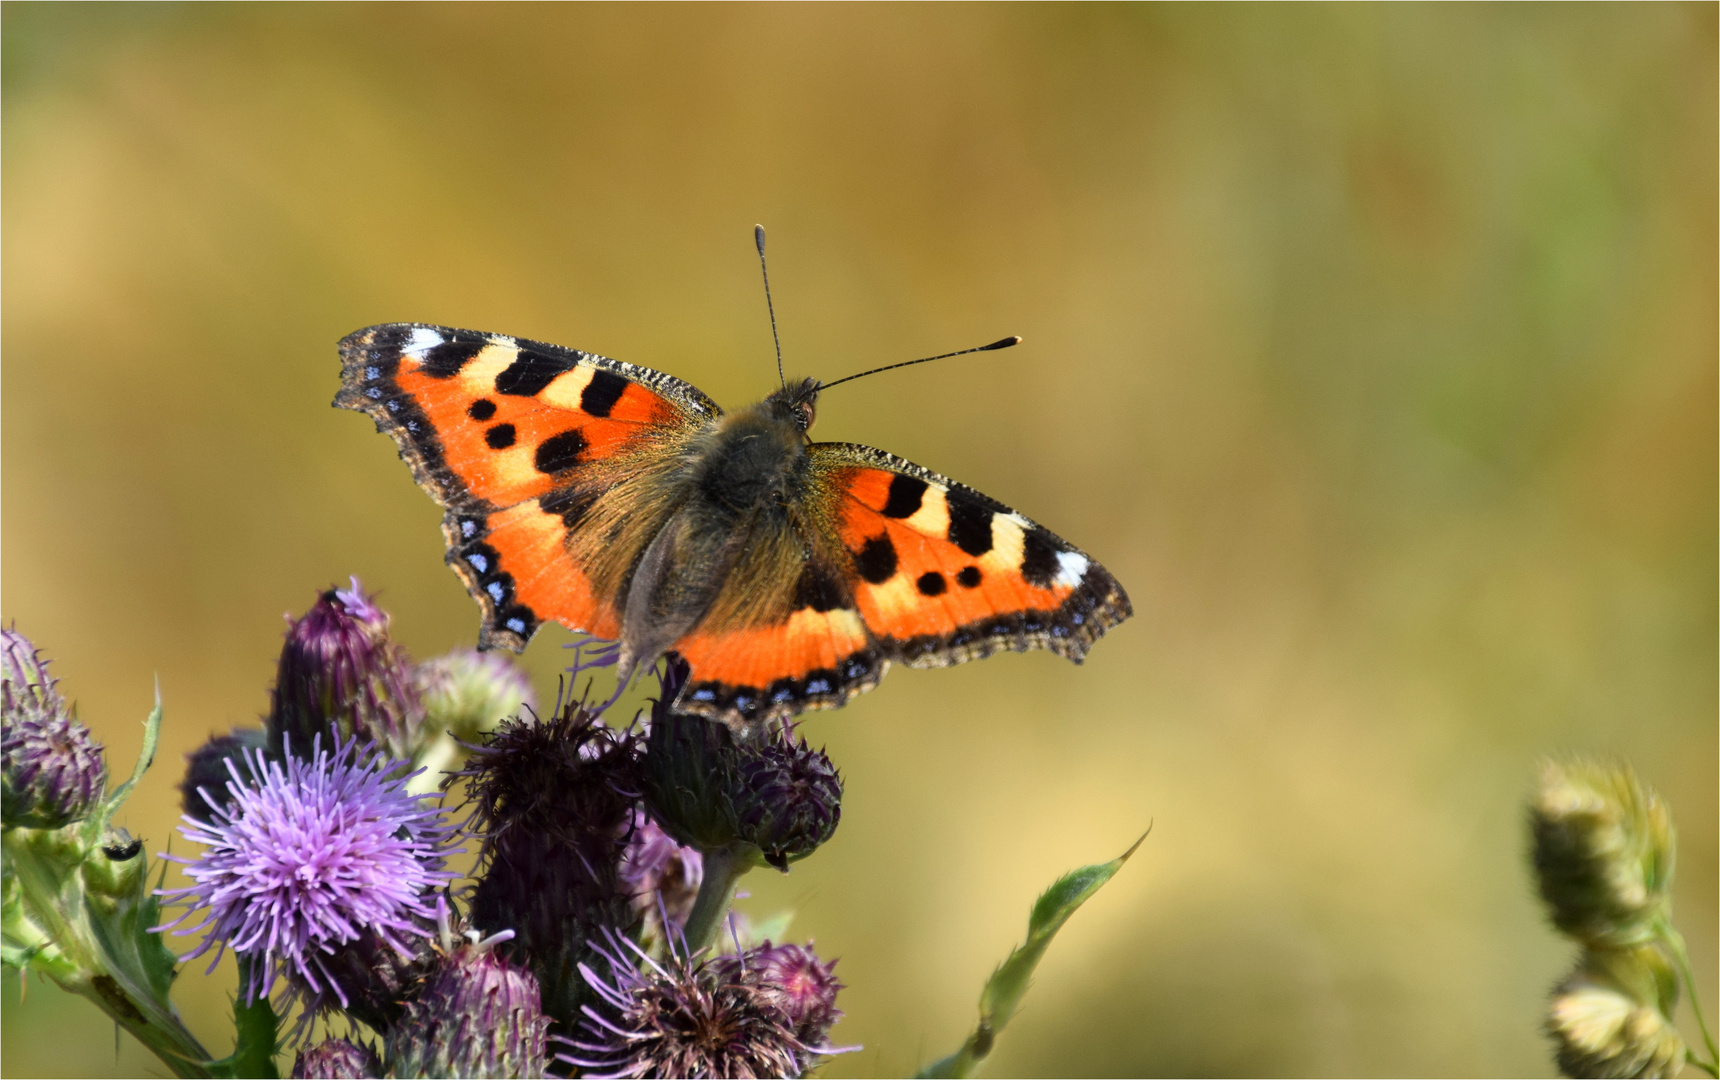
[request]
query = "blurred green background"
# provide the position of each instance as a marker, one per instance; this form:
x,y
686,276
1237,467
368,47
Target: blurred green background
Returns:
x,y
1373,348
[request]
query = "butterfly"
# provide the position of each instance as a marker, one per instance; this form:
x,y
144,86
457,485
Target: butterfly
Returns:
x,y
622,502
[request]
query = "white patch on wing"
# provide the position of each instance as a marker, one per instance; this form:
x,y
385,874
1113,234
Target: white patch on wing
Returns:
x,y
478,377
422,341
933,516
1071,568
563,391
1007,538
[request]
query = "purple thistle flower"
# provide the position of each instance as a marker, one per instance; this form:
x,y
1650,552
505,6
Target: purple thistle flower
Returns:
x,y
682,1017
53,770
661,876
476,1015
803,986
305,856
341,675
336,1059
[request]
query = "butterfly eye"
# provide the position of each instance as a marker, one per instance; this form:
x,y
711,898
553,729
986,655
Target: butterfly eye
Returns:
x,y
804,414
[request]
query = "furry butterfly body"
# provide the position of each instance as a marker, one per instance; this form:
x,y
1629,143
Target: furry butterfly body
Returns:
x,y
622,502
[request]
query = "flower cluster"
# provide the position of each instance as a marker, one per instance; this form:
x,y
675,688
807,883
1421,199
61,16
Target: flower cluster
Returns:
x,y
323,865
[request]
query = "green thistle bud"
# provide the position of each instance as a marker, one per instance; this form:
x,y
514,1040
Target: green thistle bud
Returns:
x,y
51,768
468,693
1603,853
688,772
1609,1017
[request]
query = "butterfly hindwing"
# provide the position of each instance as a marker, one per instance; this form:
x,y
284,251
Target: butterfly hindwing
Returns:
x,y
517,439
943,574
816,658
929,573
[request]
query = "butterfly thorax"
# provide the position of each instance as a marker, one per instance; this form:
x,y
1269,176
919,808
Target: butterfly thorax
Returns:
x,y
730,551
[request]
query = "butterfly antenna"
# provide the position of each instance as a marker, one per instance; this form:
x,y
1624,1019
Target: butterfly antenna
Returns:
x,y
1013,339
758,238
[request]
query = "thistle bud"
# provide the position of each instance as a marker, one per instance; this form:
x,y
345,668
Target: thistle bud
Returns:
x,y
51,769
204,789
468,693
1609,1017
336,1059
710,791
689,771
476,1016
1603,852
341,676
788,800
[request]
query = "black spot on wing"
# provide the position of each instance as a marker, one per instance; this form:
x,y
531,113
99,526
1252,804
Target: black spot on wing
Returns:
x,y
500,437
906,494
970,523
531,371
569,504
560,452
444,361
931,583
481,409
602,392
1039,557
970,577
876,560
818,589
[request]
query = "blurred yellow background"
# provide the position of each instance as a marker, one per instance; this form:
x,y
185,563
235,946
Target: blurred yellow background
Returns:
x,y
1373,348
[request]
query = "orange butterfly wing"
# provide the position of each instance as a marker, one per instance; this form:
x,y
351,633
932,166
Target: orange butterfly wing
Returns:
x,y
517,439
930,573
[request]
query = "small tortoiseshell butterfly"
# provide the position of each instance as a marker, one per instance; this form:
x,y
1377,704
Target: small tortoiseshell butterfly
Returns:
x,y
622,502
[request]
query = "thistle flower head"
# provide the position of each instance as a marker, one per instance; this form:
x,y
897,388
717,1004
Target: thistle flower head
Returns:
x,y
307,855
336,1059
553,800
1610,1016
468,692
682,1017
476,1015
1603,852
340,675
801,985
51,769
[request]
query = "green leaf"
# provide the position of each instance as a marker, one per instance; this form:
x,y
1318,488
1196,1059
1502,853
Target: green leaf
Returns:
x,y
97,822
1008,984
258,1035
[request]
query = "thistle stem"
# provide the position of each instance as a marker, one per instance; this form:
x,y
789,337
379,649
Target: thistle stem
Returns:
x,y
1675,941
723,868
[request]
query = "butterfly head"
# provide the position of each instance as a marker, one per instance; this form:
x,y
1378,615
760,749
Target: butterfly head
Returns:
x,y
796,403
